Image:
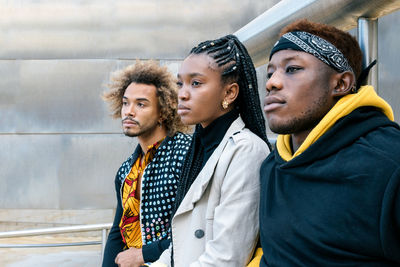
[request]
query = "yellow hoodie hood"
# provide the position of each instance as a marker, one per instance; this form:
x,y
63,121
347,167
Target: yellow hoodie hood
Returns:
x,y
366,96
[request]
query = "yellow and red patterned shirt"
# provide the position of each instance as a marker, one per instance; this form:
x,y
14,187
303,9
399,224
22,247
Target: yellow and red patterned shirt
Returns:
x,y
130,220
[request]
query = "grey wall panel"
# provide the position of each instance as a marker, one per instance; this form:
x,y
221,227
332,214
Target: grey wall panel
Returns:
x,y
29,167
128,29
88,168
9,89
54,96
69,171
389,60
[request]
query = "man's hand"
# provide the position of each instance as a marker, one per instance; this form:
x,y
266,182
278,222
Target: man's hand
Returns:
x,y
131,257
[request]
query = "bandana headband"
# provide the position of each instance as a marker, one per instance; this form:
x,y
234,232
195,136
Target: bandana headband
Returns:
x,y
314,45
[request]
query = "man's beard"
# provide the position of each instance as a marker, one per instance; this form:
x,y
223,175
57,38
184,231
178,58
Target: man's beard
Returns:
x,y
127,130
127,133
147,130
307,120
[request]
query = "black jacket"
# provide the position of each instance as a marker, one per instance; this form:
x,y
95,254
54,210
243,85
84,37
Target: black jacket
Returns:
x,y
159,184
337,203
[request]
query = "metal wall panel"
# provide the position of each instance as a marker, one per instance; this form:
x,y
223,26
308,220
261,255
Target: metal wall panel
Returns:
x,y
61,171
388,61
54,96
119,29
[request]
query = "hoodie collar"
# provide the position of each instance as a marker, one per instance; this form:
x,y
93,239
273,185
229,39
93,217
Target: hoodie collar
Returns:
x,y
366,96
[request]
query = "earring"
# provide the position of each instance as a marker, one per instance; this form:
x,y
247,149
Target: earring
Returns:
x,y
353,89
225,104
160,124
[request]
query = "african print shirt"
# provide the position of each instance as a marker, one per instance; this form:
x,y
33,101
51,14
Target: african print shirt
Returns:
x,y
130,221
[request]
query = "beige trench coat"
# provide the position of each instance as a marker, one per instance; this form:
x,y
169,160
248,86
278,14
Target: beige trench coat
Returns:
x,y
217,221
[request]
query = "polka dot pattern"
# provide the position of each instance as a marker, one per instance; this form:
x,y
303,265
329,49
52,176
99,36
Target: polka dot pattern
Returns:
x,y
159,185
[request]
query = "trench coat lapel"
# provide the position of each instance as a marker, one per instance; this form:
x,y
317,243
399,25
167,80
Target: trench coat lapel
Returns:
x,y
200,184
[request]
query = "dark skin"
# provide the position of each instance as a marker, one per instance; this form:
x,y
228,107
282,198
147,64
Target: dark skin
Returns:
x,y
141,117
301,89
201,91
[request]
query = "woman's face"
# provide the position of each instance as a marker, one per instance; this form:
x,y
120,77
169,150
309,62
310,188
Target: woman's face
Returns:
x,y
201,92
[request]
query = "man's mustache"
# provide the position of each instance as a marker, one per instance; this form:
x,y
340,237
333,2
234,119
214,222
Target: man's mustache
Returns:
x,y
130,119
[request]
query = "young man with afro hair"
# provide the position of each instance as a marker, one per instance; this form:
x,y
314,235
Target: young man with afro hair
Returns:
x,y
330,191
144,96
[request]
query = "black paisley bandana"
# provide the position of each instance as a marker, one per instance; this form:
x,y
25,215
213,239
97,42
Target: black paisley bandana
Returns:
x,y
314,45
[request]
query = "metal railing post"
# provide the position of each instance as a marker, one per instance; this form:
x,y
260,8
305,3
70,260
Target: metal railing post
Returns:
x,y
103,242
367,33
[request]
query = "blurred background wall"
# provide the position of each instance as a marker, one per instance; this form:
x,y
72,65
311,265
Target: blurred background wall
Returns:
x,y
59,148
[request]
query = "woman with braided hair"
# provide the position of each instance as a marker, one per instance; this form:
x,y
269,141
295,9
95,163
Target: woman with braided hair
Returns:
x,y
216,206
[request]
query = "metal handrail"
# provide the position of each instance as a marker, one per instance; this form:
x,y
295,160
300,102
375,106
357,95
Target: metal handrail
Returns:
x,y
56,230
59,230
260,34
48,245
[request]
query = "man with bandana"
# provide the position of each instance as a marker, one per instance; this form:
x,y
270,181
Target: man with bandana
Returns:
x,y
330,192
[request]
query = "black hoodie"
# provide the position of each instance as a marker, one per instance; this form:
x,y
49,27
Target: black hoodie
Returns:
x,y
338,202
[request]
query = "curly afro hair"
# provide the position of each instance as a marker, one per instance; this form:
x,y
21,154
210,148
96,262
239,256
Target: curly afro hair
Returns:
x,y
149,73
343,41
